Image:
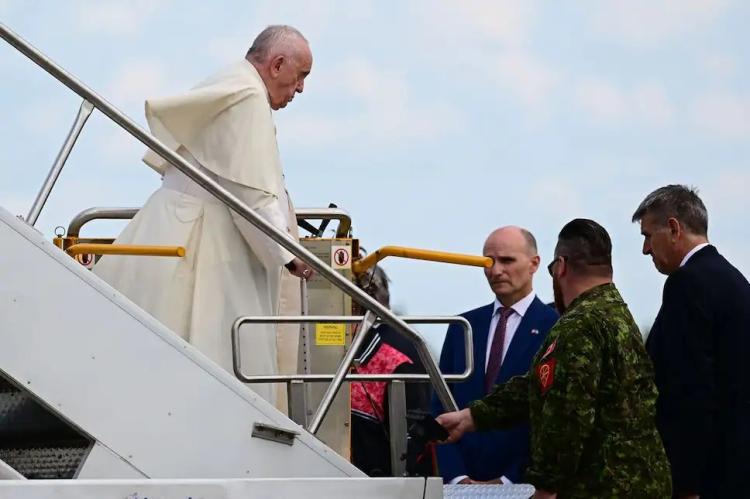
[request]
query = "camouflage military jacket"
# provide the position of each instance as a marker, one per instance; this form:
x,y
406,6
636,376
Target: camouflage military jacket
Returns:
x,y
590,399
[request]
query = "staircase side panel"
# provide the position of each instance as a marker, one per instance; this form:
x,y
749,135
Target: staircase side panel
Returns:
x,y
311,488
122,377
103,463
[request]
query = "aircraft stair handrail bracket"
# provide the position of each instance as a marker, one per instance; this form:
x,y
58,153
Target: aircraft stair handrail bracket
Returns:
x,y
62,156
362,265
119,213
73,245
348,319
98,213
234,203
325,214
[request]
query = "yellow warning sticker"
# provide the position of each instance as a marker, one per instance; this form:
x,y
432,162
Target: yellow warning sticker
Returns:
x,y
330,334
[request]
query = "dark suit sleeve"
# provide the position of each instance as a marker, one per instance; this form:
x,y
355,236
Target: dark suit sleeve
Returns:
x,y
686,379
450,461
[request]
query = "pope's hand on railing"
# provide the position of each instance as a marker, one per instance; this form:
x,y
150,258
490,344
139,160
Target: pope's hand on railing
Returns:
x,y
300,269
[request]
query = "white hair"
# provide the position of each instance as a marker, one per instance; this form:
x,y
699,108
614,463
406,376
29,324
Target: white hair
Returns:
x,y
271,39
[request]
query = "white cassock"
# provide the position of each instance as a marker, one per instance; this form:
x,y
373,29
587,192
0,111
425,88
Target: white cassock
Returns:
x,y
224,126
288,335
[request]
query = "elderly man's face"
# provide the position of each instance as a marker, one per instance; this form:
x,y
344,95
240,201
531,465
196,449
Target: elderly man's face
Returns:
x,y
288,76
513,267
659,244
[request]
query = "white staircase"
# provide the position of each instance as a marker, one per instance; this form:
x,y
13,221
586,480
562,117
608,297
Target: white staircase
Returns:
x,y
130,397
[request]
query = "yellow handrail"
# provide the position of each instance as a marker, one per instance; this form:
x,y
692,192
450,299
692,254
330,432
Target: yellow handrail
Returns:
x,y
360,266
125,249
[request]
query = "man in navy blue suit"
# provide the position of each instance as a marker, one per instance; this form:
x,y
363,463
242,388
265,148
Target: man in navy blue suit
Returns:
x,y
699,345
507,334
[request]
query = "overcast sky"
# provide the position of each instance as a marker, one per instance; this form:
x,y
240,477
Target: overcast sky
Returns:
x,y
431,122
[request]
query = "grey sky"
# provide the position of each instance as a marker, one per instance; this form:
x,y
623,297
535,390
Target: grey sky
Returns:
x,y
431,122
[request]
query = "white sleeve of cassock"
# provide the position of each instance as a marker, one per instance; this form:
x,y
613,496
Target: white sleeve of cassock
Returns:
x,y
266,249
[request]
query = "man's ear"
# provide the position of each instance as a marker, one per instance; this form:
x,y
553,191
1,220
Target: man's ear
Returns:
x,y
276,64
535,260
675,229
562,267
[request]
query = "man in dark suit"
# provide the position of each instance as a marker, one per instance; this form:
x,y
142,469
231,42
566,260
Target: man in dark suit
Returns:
x,y
507,334
699,345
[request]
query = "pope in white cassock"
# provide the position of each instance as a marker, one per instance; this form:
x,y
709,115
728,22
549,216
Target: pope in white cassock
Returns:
x,y
225,127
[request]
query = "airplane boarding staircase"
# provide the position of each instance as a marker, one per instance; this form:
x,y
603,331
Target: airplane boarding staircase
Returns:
x,y
94,388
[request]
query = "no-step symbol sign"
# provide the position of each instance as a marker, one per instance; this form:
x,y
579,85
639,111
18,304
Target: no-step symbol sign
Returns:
x,y
341,257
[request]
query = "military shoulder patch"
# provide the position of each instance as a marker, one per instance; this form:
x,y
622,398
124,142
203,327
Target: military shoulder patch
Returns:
x,y
546,374
550,349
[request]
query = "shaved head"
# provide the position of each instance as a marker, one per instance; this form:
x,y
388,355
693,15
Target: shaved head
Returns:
x,y
514,261
515,235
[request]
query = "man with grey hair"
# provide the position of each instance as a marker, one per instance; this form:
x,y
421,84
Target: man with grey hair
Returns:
x,y
698,344
282,57
224,127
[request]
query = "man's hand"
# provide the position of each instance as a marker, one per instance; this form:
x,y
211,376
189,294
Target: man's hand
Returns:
x,y
543,494
300,269
456,423
469,481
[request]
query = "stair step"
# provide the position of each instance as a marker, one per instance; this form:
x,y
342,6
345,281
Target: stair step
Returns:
x,y
44,462
35,441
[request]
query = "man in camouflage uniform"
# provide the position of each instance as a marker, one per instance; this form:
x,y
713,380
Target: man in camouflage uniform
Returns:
x,y
590,395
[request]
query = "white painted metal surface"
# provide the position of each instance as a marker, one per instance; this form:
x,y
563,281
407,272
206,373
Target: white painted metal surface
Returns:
x,y
126,380
315,488
8,473
103,463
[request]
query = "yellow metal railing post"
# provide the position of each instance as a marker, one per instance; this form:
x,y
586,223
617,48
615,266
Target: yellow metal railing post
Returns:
x,y
125,249
360,266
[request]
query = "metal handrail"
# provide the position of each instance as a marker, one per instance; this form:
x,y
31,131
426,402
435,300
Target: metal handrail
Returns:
x,y
349,319
234,203
368,321
96,213
345,221
75,130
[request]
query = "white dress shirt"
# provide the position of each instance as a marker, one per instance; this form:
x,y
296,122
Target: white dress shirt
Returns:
x,y
520,308
692,252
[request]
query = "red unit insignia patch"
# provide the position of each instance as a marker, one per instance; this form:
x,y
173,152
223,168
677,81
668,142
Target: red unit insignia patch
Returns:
x,y
546,374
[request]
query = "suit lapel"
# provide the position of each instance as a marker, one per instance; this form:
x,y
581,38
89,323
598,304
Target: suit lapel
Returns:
x,y
480,342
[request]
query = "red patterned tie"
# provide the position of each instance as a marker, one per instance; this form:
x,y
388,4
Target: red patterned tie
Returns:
x,y
496,351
